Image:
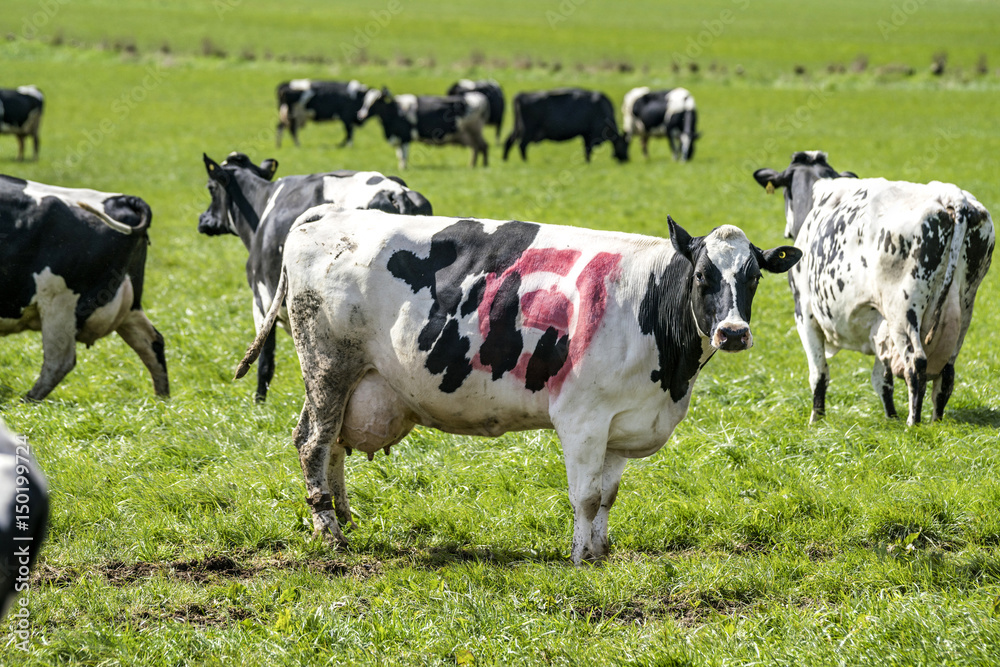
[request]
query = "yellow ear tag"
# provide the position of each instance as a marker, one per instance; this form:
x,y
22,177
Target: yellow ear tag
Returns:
x,y
211,167
770,188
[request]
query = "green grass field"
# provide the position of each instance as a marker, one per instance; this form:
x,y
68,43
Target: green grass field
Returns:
x,y
177,535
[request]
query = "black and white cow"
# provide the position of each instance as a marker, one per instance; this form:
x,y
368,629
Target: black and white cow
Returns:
x,y
436,120
302,100
247,204
891,269
24,514
72,265
482,327
670,113
561,115
21,115
494,95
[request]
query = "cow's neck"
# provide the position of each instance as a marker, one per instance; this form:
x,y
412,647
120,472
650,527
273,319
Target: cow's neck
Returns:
x,y
665,313
248,195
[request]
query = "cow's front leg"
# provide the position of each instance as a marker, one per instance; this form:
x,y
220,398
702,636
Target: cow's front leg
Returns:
x,y
819,372
402,154
943,387
584,455
882,383
312,442
614,465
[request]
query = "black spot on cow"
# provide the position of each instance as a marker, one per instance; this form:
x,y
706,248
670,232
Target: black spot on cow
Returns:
x,y
840,284
457,252
911,318
665,314
374,180
547,360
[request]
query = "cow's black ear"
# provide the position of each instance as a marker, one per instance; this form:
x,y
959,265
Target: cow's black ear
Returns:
x,y
268,168
215,172
848,174
680,239
778,260
770,179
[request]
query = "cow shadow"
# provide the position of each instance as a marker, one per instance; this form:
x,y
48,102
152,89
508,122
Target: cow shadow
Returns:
x,y
455,553
978,416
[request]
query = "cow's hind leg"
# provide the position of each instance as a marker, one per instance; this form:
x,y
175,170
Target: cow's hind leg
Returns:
x,y
35,143
882,383
20,148
943,387
57,310
140,334
329,377
614,465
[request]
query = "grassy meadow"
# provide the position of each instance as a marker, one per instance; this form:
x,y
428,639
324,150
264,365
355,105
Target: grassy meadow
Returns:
x,y
178,534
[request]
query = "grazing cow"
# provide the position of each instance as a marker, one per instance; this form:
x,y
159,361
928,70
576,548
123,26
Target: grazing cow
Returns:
x,y
21,115
454,119
482,327
72,264
24,515
246,203
303,100
494,95
669,113
891,269
560,115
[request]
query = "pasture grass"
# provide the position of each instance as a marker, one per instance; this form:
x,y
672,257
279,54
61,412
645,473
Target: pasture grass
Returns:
x,y
179,531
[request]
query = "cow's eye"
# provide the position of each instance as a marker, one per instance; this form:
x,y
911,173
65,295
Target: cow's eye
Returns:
x,y
699,277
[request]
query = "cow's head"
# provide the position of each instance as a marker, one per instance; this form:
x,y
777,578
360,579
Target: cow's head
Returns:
x,y
798,179
726,269
620,146
218,219
376,100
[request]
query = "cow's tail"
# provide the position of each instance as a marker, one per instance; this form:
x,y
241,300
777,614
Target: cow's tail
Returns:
x,y
265,328
120,227
955,214
628,104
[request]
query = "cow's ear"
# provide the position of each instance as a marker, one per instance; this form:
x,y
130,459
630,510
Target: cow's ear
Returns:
x,y
269,167
778,260
848,174
680,239
215,172
770,179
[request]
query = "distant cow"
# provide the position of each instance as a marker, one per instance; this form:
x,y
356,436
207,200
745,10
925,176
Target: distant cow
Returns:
x,y
302,100
21,115
247,204
482,327
560,115
72,265
494,95
890,269
454,119
670,113
24,514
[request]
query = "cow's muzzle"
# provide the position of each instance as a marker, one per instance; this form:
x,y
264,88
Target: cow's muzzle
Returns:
x,y
209,225
732,338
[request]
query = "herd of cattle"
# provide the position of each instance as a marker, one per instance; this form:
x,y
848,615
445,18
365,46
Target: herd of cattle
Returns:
x,y
460,116
478,326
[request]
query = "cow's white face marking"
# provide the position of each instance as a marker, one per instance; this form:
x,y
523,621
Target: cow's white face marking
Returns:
x,y
729,251
371,97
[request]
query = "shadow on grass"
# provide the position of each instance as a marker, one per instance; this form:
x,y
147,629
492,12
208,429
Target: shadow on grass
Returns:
x,y
455,553
982,416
